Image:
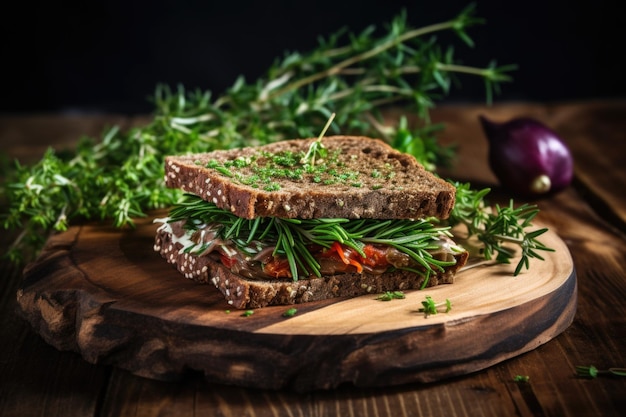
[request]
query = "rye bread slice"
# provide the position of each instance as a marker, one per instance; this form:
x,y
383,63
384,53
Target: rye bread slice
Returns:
x,y
244,293
365,178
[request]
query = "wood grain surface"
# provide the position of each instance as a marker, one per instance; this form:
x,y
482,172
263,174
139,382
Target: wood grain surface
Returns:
x,y
107,295
36,379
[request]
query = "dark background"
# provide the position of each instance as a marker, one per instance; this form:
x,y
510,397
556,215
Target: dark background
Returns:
x,y
110,55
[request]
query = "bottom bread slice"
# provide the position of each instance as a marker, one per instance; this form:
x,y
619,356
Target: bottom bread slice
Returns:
x,y
244,293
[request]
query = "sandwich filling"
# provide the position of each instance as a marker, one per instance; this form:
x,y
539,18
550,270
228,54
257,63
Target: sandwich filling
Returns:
x,y
292,249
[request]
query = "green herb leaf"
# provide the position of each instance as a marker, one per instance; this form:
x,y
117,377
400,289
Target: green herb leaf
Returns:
x,y
290,312
422,143
391,295
431,307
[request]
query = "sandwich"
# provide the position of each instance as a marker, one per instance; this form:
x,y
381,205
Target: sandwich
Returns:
x,y
303,220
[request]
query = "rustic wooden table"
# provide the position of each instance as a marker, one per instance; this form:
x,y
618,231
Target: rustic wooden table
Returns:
x,y
590,216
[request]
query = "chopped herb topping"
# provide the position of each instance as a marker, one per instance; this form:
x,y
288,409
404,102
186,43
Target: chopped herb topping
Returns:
x,y
265,170
272,187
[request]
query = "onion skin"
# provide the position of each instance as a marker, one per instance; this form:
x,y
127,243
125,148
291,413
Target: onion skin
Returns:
x,y
527,157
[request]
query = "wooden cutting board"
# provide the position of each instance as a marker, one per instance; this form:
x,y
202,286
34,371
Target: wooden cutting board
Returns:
x,y
104,293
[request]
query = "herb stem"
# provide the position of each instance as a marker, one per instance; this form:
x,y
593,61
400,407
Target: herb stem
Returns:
x,y
337,68
470,70
593,372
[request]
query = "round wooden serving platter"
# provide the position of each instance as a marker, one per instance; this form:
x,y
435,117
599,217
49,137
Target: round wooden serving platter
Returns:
x,y
105,294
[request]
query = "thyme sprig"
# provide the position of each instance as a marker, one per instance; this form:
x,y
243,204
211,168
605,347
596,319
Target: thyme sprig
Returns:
x,y
317,148
430,307
293,237
119,176
593,372
498,228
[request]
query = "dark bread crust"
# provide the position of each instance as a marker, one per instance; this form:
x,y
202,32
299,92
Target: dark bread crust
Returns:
x,y
243,293
412,193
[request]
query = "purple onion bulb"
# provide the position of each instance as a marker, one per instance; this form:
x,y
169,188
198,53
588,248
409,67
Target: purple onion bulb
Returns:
x,y
527,157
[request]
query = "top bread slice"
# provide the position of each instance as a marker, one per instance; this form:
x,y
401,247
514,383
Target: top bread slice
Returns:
x,y
360,177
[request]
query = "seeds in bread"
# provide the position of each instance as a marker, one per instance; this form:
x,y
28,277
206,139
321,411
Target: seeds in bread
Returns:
x,y
360,178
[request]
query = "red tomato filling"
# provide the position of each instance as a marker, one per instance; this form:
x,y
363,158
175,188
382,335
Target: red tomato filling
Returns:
x,y
336,259
278,267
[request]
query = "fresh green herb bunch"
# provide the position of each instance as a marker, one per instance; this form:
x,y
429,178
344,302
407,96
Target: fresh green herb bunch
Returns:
x,y
349,75
292,237
119,177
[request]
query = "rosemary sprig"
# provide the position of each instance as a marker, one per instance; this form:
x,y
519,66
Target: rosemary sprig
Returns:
x,y
292,237
498,228
118,177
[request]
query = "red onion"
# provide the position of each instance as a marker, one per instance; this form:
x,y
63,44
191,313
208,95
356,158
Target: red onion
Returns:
x,y
527,157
